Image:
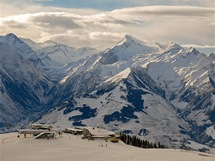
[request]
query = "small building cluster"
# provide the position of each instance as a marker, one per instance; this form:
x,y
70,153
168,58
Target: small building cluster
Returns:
x,y
97,133
74,131
92,133
40,131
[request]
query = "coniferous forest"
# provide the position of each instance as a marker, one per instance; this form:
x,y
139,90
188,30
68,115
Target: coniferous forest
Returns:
x,y
135,141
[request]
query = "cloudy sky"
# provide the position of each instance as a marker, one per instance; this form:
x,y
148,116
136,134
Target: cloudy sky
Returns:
x,y
102,23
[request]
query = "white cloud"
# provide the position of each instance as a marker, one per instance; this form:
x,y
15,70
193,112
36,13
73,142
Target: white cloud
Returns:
x,y
206,3
87,27
200,3
42,0
108,35
201,46
172,11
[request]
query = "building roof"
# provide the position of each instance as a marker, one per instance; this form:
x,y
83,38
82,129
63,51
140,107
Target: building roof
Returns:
x,y
73,129
40,126
31,131
99,131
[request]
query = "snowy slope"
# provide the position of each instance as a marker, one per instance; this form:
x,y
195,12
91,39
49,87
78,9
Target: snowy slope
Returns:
x,y
43,61
134,110
104,65
71,147
59,59
64,54
17,45
25,91
60,53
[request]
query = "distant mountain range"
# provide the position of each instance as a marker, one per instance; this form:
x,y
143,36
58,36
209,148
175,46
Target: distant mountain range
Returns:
x,y
161,92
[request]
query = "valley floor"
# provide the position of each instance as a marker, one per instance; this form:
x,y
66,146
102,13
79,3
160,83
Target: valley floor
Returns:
x,y
74,148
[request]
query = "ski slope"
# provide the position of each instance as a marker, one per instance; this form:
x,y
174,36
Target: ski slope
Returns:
x,y
71,147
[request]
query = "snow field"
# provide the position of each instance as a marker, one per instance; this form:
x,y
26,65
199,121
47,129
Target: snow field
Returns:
x,y
73,148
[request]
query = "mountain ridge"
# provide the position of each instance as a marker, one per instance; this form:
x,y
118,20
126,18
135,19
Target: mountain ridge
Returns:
x,y
166,91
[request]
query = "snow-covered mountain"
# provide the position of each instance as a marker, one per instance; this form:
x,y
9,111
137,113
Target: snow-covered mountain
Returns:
x,y
163,93
27,72
61,53
59,58
18,45
25,91
159,92
100,67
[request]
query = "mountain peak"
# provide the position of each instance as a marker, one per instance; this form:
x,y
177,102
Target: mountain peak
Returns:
x,y
128,40
174,45
212,57
193,50
10,39
11,36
